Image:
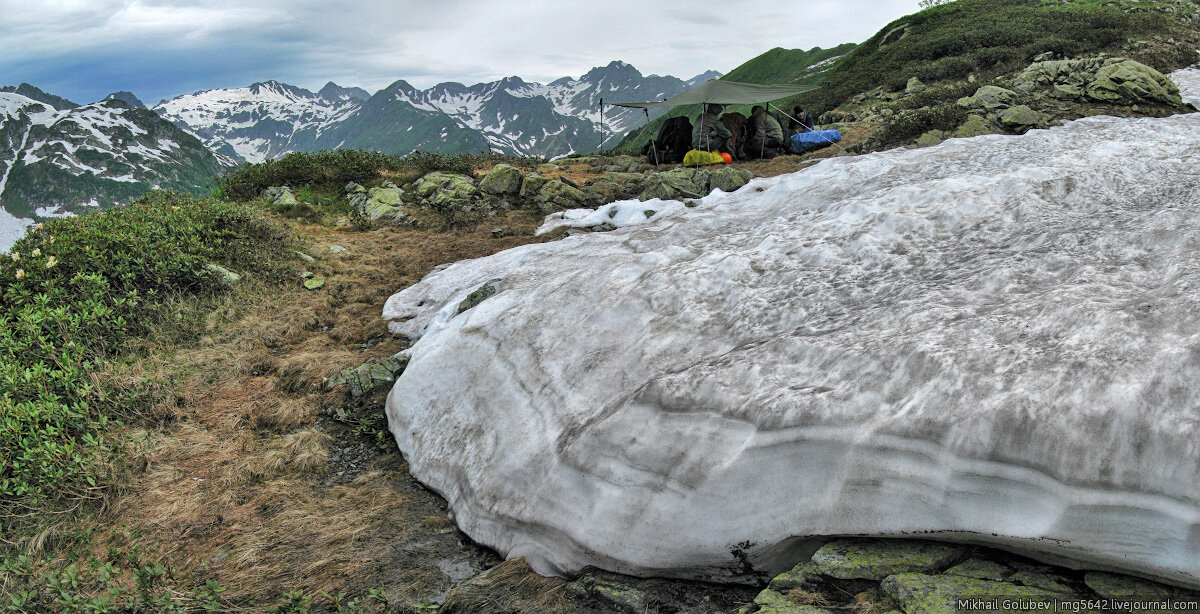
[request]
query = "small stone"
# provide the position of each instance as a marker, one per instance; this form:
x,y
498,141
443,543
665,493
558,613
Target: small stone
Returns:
x,y
497,233
1043,579
305,257
306,275
915,86
980,569
315,283
481,294
618,595
803,575
354,188
1117,586
931,138
337,249
774,602
226,277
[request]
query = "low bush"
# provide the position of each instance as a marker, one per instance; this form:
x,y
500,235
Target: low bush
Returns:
x,y
335,168
75,291
907,126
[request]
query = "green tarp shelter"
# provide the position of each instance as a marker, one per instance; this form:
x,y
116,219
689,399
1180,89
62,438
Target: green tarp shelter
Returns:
x,y
725,92
717,92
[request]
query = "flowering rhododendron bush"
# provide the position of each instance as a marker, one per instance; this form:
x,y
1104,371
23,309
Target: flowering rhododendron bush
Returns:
x,y
77,290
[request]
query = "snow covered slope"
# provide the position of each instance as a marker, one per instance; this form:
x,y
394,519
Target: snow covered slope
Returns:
x,y
56,162
268,120
262,121
992,340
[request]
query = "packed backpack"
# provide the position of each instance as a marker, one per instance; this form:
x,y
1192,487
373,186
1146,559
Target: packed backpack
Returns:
x,y
673,142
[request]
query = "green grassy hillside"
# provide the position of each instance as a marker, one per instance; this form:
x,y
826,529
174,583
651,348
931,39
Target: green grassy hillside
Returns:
x,y
988,38
788,65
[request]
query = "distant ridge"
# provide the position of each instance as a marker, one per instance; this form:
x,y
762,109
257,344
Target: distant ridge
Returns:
x,y
511,115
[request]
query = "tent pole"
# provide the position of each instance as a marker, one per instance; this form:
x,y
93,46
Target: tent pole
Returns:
x,y
653,141
601,147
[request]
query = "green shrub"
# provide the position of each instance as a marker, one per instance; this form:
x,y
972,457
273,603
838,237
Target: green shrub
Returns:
x,y
327,167
910,125
335,168
77,290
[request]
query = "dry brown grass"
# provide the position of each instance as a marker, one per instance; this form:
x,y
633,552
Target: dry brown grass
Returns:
x,y
227,475
873,602
806,597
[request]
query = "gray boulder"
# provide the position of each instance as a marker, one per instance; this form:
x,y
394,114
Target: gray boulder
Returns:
x,y
280,196
556,195
532,186
502,180
677,184
1101,79
931,138
447,191
1021,118
729,179
1130,82
976,126
370,376
603,191
381,204
988,97
915,86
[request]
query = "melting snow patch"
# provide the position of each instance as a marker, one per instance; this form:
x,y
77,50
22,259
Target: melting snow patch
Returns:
x,y
619,215
11,229
991,339
55,211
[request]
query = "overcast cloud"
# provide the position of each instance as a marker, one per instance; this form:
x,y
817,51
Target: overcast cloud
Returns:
x,y
84,49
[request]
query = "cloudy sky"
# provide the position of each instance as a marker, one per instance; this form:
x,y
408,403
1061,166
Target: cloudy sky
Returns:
x,y
84,49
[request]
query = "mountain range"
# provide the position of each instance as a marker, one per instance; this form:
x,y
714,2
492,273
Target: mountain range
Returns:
x,y
60,158
269,119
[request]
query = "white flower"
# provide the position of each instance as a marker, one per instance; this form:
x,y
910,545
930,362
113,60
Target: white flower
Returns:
x,y
36,252
51,262
16,257
20,273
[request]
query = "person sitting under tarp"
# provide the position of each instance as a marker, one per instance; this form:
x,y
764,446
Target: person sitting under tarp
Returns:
x,y
709,132
800,121
766,137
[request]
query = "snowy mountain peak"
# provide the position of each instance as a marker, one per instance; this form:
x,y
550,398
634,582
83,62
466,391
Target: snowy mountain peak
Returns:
x,y
336,93
127,98
34,93
615,72
281,89
702,77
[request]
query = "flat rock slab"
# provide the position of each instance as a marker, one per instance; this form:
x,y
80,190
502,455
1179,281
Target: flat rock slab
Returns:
x,y
878,559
